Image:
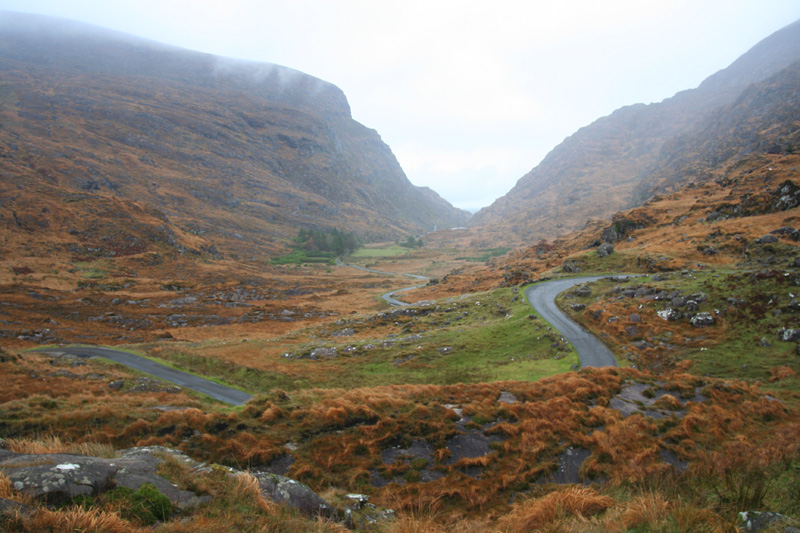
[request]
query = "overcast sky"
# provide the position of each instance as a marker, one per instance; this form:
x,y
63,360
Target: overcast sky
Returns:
x,y
469,95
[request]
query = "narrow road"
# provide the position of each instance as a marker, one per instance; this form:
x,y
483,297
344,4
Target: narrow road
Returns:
x,y
542,296
389,296
184,379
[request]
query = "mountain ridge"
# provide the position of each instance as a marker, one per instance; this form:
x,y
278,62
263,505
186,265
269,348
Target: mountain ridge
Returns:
x,y
237,154
593,172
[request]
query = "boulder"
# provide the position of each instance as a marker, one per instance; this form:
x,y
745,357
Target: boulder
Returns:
x,y
605,249
297,495
767,239
702,320
791,335
670,314
59,477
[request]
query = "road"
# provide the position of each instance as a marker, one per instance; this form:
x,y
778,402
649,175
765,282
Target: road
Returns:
x,y
389,296
542,296
184,379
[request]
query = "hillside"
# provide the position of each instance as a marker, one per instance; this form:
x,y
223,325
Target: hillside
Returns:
x,y
200,152
596,171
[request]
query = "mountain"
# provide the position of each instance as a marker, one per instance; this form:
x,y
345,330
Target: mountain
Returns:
x,y
118,144
598,170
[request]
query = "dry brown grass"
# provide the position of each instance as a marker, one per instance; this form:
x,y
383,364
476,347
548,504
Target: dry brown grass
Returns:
x,y
55,444
74,519
537,513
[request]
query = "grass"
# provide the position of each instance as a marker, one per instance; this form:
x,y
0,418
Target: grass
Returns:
x,y
485,337
392,250
750,309
299,257
486,254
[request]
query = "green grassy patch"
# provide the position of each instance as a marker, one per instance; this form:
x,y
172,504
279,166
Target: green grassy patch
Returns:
x,y
383,251
486,253
299,257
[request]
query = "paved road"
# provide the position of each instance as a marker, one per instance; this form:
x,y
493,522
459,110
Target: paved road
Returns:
x,y
542,296
389,296
184,379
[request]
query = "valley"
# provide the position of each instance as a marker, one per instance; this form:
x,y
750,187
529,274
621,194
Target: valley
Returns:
x,y
157,209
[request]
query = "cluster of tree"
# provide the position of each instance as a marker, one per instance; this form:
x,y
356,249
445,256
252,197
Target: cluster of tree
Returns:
x,y
411,242
336,241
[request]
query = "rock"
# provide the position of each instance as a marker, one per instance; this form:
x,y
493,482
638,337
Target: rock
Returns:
x,y
794,305
678,302
702,320
670,315
297,495
767,239
605,249
116,384
785,230
632,331
57,478
634,318
346,332
582,292
577,307
691,305
322,351
571,266
445,350
754,521
791,335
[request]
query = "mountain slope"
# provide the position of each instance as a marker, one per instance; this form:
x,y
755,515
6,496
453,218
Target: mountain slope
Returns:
x,y
221,154
594,172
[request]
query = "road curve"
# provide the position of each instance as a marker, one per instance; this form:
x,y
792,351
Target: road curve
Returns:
x,y
184,379
542,296
389,296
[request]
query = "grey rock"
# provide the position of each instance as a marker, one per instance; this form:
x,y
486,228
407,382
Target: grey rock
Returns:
x,y
578,307
634,318
582,292
678,302
791,335
605,249
57,478
297,495
754,521
670,314
794,305
702,320
766,239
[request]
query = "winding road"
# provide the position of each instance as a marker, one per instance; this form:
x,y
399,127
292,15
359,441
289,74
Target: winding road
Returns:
x,y
389,296
542,296
184,379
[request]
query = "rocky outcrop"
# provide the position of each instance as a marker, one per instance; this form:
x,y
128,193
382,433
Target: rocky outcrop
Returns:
x,y
58,478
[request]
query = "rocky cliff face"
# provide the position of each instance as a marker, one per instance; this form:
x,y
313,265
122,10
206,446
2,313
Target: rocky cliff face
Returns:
x,y
596,171
231,154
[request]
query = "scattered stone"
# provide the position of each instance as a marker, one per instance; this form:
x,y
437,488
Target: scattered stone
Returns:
x,y
790,335
702,320
582,291
578,307
754,521
571,266
346,332
632,331
507,397
670,315
635,318
445,350
116,384
767,239
297,495
605,249
794,305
